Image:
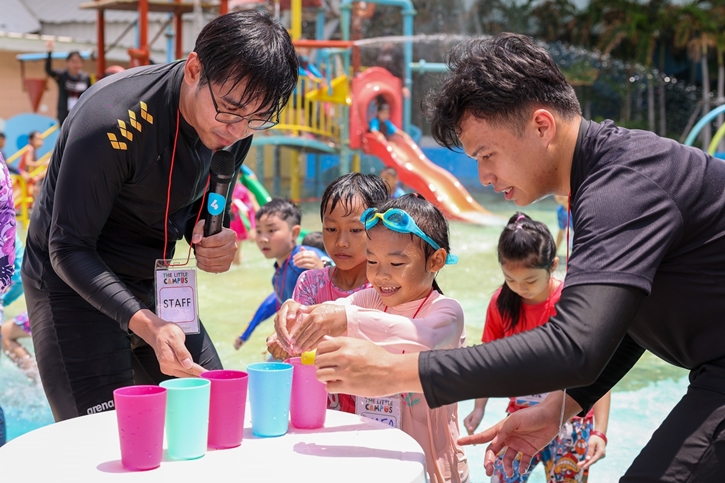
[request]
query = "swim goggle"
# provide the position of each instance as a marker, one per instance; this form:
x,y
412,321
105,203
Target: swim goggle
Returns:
x,y
398,220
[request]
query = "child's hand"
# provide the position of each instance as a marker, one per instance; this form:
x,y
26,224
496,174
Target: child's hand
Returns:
x,y
307,259
473,420
285,319
274,348
597,451
238,342
324,320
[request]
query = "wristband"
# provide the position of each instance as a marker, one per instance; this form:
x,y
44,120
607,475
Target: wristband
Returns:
x,y
594,432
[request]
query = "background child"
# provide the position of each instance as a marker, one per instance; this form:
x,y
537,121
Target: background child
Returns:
x,y
29,161
19,326
390,176
562,217
408,243
381,122
278,226
314,239
526,300
243,220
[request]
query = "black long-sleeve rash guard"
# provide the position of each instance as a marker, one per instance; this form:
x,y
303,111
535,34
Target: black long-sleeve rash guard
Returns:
x,y
589,327
99,222
649,218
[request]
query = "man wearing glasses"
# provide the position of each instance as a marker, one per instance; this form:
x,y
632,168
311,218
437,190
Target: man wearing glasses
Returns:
x,y
125,182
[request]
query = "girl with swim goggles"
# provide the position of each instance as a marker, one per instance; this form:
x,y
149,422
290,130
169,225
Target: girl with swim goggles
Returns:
x,y
343,235
405,311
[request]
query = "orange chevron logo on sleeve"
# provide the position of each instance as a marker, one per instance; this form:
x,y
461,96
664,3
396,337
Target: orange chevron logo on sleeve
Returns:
x,y
115,143
144,113
126,131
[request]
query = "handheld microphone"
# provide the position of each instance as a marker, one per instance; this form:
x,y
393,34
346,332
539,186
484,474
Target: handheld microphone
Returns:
x,y
221,173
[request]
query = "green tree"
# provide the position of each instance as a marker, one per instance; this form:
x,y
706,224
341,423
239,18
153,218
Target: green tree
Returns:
x,y
696,30
553,19
634,28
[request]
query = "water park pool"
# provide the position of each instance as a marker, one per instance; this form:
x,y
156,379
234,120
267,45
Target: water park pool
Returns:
x,y
227,301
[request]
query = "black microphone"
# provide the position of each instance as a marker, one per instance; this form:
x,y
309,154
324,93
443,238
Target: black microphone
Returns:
x,y
221,173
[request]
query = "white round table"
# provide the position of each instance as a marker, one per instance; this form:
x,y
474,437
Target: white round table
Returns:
x,y
348,449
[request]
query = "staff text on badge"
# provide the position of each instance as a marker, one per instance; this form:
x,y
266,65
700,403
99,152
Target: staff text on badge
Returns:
x,y
176,298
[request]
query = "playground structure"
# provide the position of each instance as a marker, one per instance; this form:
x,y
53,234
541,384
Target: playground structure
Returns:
x,y
712,148
328,114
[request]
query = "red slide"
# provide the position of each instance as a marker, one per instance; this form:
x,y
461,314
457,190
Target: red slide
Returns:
x,y
421,174
403,154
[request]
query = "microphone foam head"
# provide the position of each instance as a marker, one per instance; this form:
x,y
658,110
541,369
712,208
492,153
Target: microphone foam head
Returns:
x,y
222,163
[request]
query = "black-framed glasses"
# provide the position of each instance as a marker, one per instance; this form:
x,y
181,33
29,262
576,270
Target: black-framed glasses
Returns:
x,y
254,123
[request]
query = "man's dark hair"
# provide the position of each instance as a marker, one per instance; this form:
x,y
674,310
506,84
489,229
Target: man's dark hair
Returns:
x,y
252,47
500,80
2,135
284,209
73,54
369,188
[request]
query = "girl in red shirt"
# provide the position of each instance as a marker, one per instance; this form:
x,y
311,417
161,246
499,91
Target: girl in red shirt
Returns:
x,y
526,300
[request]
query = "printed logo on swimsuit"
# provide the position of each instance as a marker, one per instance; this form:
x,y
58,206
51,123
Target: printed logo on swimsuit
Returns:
x,y
125,131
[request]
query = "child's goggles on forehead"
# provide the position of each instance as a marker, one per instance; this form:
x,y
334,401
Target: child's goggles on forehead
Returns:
x,y
398,220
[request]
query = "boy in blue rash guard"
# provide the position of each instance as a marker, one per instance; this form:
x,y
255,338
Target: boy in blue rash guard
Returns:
x,y
278,226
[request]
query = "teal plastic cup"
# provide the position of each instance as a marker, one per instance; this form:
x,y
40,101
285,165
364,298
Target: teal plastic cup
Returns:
x,y
270,388
187,417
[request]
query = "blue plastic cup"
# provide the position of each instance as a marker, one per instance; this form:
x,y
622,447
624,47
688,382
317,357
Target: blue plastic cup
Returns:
x,y
270,389
187,417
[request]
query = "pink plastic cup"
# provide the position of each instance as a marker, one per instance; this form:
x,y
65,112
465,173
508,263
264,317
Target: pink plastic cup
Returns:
x,y
226,407
309,397
141,412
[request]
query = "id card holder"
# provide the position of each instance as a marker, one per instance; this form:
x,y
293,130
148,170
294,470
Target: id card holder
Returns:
x,y
384,409
176,294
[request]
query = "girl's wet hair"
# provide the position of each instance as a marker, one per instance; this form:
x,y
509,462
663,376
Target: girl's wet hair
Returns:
x,y
527,243
428,218
369,188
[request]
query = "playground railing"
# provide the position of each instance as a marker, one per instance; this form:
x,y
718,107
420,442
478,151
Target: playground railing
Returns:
x,y
302,115
22,195
22,199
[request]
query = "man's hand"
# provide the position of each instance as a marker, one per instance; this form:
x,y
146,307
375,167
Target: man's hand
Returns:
x,y
323,321
526,431
238,343
49,45
307,259
362,368
214,254
167,340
